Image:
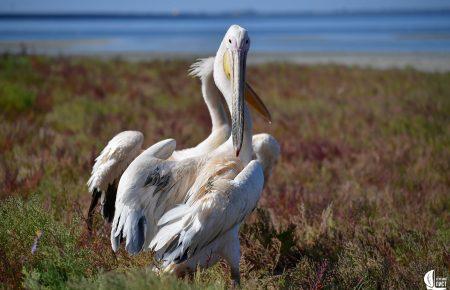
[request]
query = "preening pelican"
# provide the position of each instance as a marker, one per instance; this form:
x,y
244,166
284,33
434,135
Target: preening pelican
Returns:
x,y
126,146
189,210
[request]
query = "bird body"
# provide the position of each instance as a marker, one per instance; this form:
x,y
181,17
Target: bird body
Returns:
x,y
227,187
187,205
126,146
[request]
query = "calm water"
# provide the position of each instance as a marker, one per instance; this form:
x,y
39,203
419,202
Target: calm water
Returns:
x,y
393,32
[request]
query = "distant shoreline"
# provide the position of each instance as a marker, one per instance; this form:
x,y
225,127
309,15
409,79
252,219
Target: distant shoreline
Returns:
x,y
382,39
227,14
422,61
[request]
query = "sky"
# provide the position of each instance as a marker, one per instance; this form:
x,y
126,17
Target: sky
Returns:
x,y
209,6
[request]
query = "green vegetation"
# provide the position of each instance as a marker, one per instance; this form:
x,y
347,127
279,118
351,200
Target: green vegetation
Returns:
x,y
57,256
359,200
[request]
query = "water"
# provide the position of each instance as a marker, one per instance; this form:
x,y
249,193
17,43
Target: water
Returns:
x,y
364,32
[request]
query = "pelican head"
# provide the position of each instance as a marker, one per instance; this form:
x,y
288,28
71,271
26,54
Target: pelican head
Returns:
x,y
229,76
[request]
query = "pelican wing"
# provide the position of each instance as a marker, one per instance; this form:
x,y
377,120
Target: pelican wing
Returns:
x,y
150,186
192,226
109,166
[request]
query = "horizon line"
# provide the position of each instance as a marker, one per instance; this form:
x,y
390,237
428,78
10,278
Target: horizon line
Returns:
x,y
239,13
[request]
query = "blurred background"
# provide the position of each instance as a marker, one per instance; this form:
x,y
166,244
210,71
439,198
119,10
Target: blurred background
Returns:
x,y
279,29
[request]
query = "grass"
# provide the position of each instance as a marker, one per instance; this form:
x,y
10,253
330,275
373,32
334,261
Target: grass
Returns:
x,y
359,200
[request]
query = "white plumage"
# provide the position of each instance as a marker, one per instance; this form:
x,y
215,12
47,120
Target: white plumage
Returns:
x,y
126,146
189,210
187,205
202,230
114,159
109,166
267,151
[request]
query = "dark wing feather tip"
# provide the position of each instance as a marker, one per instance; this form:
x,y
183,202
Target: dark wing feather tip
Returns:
x,y
108,206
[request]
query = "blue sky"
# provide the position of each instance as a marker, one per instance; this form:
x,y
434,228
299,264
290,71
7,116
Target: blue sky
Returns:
x,y
212,6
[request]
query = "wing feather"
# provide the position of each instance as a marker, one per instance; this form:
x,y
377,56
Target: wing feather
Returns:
x,y
114,159
210,216
149,187
109,166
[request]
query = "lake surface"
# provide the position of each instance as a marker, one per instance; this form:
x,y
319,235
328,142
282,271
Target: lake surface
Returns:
x,y
345,32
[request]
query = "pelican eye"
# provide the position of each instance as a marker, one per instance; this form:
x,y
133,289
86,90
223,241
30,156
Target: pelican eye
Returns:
x,y
229,40
246,41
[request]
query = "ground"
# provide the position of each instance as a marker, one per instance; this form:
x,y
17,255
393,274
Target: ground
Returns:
x,y
360,198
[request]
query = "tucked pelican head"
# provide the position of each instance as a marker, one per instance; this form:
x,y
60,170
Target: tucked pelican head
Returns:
x,y
229,76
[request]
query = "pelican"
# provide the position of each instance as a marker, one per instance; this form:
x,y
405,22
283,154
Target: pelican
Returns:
x,y
265,147
126,146
189,211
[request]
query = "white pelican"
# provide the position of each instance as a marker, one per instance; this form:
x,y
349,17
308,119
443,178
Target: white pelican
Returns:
x,y
214,192
126,146
265,147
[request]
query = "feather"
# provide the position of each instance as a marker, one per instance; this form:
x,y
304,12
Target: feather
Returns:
x,y
135,228
167,235
228,199
176,213
108,203
107,170
202,67
114,158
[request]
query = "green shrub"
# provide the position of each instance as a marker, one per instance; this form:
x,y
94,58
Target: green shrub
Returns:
x,y
57,256
15,98
138,279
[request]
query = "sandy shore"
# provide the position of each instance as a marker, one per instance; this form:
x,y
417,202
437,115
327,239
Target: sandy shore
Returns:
x,y
423,61
430,62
